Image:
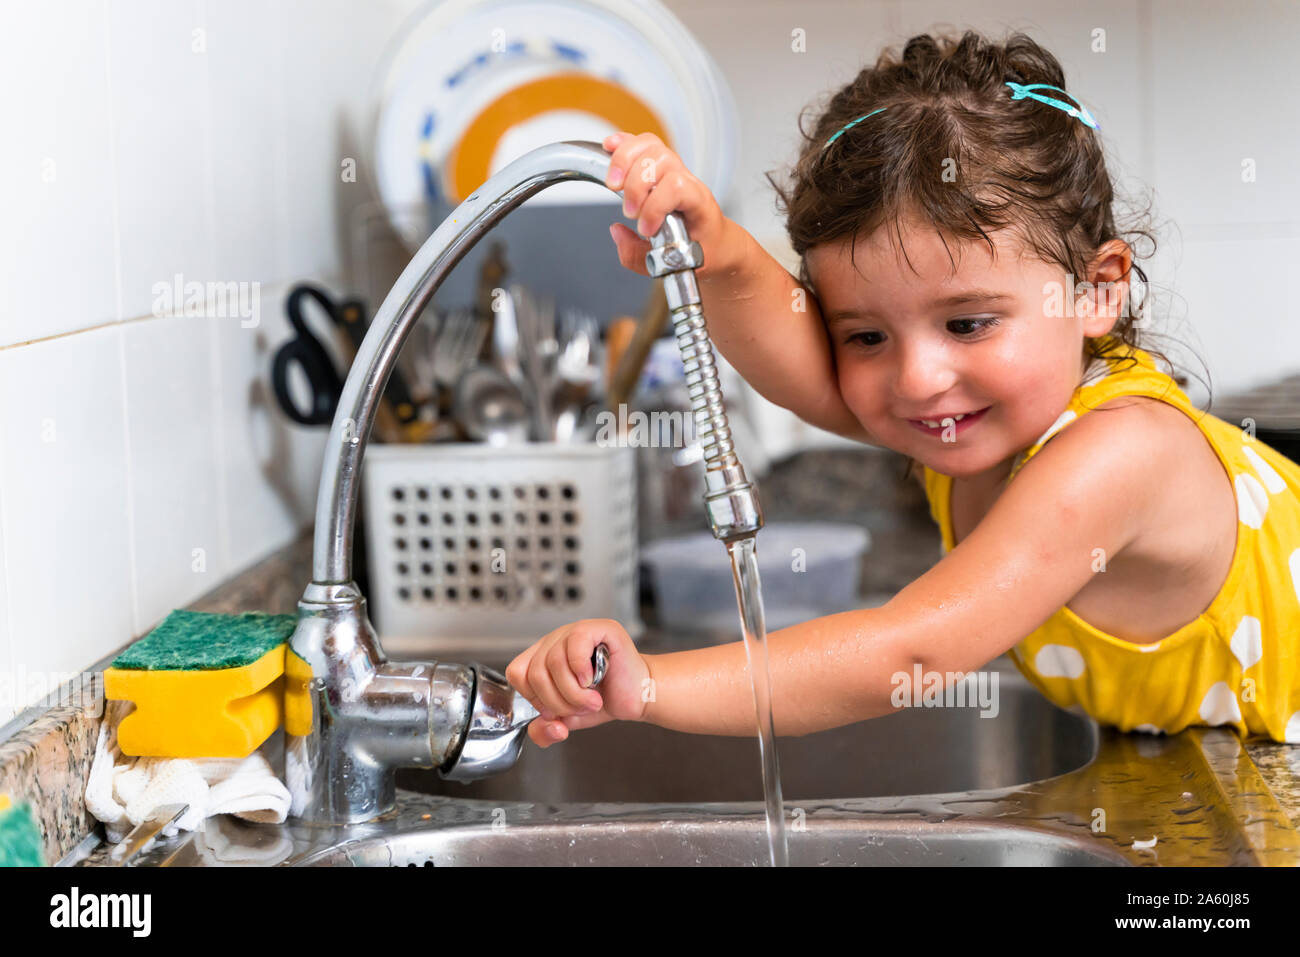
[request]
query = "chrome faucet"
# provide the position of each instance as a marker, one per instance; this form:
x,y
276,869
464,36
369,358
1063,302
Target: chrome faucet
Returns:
x,y
352,717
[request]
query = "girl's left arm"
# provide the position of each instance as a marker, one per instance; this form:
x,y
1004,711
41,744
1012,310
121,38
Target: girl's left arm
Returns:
x,y
1092,487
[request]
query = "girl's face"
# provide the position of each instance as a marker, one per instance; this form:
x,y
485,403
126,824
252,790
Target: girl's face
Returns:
x,y
984,341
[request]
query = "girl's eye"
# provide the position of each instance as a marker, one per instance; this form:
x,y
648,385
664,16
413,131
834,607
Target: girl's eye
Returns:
x,y
863,338
972,325
966,328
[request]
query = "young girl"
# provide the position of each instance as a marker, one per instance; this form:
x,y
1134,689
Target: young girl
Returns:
x,y
964,300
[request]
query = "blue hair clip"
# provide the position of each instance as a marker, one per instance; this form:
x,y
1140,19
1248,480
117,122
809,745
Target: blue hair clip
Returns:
x,y
1081,112
1020,91
848,125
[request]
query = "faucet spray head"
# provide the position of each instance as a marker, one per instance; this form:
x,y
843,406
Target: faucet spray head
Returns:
x,y
730,499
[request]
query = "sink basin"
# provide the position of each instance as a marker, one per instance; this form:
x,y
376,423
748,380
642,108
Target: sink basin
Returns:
x,y
719,843
916,751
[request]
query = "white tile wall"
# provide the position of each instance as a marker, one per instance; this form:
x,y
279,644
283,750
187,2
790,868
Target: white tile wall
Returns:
x,y
8,692
159,139
67,526
57,265
164,156
1234,316
1220,86
271,466
247,117
1239,105
173,434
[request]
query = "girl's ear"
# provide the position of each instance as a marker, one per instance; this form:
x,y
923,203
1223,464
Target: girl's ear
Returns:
x,y
1104,295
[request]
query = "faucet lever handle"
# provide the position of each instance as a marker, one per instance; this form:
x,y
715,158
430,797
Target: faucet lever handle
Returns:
x,y
600,662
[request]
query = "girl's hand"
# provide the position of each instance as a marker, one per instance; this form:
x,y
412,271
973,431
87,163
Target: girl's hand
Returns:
x,y
655,182
554,674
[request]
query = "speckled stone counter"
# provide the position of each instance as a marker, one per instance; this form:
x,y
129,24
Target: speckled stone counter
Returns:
x,y
48,761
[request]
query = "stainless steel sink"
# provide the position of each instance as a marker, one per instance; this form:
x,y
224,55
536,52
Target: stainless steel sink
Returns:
x,y
675,843
916,751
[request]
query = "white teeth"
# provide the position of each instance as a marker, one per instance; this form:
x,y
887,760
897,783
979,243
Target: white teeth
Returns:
x,y
956,418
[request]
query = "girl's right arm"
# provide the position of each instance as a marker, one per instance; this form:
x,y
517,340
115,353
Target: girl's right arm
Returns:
x,y
766,323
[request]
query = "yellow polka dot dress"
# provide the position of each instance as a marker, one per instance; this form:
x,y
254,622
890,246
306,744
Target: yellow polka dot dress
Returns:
x,y
1238,664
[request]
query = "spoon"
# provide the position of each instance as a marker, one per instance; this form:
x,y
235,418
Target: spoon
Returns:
x,y
491,407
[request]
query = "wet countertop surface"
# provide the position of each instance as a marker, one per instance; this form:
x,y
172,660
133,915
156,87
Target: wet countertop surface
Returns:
x,y
49,760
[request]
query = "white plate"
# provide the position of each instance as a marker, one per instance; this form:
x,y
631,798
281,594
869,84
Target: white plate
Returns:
x,y
474,84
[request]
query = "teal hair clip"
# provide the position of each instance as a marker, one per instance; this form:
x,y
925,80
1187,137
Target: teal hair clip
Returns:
x,y
1020,91
849,125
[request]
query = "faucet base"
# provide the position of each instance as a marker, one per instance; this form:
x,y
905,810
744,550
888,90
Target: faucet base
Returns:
x,y
352,717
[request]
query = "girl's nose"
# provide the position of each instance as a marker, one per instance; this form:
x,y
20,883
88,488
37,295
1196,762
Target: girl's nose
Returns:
x,y
922,373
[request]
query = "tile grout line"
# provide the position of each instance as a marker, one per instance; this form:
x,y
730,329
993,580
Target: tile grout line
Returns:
x,y
129,488
214,345
112,165
130,484
10,664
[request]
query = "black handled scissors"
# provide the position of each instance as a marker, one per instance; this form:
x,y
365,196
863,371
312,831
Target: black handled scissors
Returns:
x,y
305,349
324,380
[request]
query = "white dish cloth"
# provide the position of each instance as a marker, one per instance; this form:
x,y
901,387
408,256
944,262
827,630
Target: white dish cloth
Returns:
x,y
124,791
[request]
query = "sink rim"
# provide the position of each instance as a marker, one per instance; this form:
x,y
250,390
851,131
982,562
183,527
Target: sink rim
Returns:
x,y
855,827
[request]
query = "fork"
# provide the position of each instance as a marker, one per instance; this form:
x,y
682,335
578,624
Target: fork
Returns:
x,y
457,343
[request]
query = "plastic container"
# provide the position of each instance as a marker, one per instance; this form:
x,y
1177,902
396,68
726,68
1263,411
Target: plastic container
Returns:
x,y
807,569
486,549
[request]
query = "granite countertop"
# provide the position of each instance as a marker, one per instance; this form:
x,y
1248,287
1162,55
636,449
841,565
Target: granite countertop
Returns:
x,y
48,760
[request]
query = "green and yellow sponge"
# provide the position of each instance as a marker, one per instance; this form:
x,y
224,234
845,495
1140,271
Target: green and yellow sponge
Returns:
x,y
20,839
204,685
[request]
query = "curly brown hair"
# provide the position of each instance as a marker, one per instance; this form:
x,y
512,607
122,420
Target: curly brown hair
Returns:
x,y
1022,165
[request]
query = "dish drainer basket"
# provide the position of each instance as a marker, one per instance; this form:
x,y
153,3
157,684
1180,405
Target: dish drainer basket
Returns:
x,y
491,547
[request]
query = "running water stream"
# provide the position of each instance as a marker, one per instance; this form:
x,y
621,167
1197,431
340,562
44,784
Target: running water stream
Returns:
x,y
749,596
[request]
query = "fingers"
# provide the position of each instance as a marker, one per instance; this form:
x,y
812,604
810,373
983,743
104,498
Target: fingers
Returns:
x,y
632,248
517,672
546,733
637,165
648,170
671,193
625,148
549,680
565,664
550,702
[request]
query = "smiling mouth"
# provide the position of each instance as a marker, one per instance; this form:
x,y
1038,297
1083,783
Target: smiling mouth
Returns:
x,y
960,422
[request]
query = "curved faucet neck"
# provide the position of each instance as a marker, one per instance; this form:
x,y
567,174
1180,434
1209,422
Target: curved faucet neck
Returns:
x,y
336,501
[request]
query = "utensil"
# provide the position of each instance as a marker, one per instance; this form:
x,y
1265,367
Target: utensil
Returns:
x,y
323,379
538,350
459,340
490,407
400,414
491,275
617,338
648,330
577,374
401,418
505,338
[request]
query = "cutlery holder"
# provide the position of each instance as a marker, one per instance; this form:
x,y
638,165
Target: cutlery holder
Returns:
x,y
488,548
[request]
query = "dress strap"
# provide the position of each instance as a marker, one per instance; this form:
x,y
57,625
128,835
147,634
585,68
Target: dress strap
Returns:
x,y
938,490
